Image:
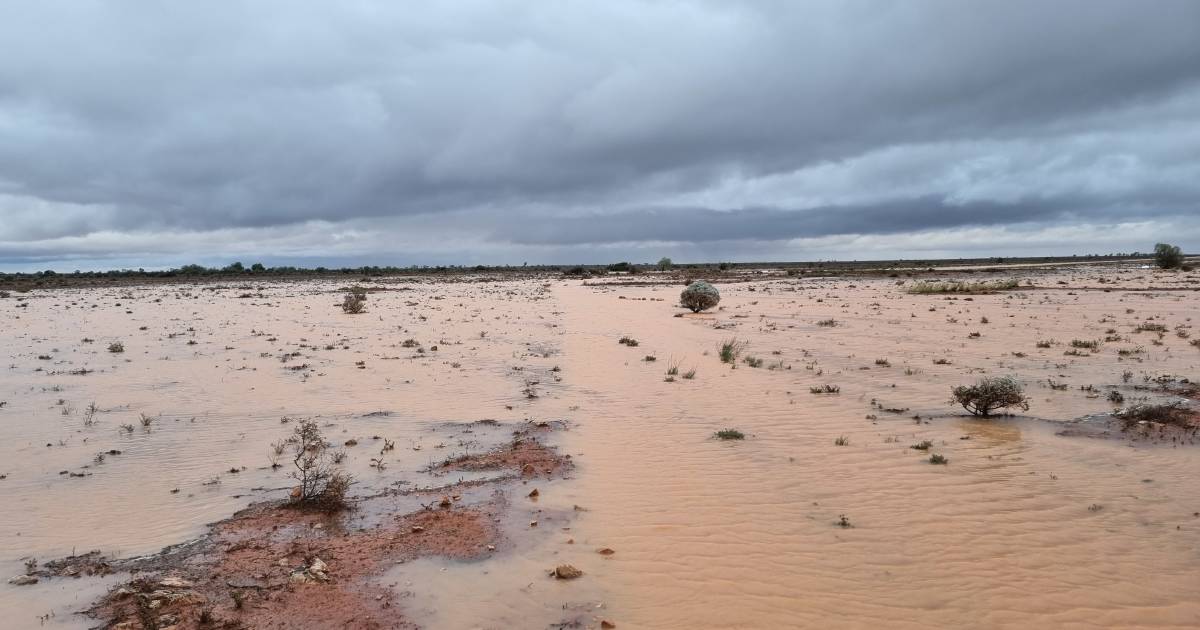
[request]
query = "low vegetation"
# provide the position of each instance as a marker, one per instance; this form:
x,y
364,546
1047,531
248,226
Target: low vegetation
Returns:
x,y
729,434
1174,414
731,349
928,287
355,302
990,395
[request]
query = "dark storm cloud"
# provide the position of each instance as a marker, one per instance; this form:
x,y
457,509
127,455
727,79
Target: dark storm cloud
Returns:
x,y
540,119
703,225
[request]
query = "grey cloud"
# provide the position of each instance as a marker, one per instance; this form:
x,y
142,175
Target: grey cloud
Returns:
x,y
557,123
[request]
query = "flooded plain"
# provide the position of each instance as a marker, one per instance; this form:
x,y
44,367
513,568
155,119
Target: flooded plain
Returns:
x,y
823,516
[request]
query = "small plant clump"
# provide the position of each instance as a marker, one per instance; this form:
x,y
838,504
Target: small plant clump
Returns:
x,y
937,458
731,349
116,347
922,446
628,341
730,434
991,394
355,302
699,296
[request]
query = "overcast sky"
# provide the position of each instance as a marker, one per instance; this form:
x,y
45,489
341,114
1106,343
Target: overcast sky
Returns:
x,y
144,134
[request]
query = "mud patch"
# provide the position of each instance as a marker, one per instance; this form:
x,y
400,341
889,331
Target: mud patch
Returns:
x,y
279,567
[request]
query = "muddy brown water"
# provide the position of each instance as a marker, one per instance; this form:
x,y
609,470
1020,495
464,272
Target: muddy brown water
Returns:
x,y
1023,527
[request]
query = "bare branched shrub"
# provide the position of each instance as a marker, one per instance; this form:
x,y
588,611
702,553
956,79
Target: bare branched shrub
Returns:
x,y
322,486
991,394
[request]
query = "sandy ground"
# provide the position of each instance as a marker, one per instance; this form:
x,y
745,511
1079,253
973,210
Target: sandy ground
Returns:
x,y
1042,520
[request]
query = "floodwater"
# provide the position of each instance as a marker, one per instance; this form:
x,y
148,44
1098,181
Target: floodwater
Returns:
x,y
1022,528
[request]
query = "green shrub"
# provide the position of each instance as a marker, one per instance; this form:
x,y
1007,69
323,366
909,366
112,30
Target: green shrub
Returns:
x,y
1168,256
699,296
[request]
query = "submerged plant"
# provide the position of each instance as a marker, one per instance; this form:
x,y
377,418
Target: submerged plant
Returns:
x,y
730,434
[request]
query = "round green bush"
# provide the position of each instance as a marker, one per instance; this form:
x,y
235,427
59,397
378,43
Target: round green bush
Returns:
x,y
699,296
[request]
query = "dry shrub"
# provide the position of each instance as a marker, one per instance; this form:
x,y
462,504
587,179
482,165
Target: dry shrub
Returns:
x,y
991,394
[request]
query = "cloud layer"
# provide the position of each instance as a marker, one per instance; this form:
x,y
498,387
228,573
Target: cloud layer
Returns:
x,y
561,131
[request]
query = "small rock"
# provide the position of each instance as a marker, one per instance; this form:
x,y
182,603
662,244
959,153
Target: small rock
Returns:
x,y
174,582
445,502
22,580
533,494
605,551
566,572
604,623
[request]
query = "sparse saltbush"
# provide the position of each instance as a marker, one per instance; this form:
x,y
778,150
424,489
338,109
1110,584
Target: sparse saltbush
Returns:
x,y
938,459
116,347
699,296
628,341
354,303
729,434
825,389
753,361
991,394
922,446
828,323
841,440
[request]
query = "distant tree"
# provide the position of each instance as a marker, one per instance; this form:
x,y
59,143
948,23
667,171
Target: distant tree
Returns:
x,y
235,268
1168,256
257,268
664,264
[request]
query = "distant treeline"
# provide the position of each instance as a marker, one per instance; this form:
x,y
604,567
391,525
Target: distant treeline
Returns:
x,y
238,270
